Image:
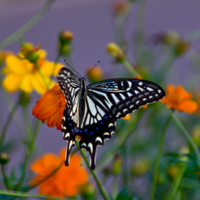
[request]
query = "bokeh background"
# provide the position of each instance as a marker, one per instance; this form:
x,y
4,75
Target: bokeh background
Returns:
x,y
92,25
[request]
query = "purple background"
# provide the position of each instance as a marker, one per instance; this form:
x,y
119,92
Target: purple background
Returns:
x,y
92,25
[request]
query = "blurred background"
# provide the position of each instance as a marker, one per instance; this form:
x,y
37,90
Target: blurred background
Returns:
x,y
93,24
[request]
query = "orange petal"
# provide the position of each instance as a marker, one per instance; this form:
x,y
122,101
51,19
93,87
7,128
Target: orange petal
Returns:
x,y
188,106
50,107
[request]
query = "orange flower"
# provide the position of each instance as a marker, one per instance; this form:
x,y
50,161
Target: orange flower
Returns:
x,y
179,99
50,107
65,181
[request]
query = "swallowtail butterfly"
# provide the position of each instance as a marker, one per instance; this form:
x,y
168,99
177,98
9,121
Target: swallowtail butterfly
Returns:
x,y
92,110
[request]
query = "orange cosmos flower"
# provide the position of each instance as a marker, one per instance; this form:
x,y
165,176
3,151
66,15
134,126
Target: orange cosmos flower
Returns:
x,y
50,107
66,181
179,99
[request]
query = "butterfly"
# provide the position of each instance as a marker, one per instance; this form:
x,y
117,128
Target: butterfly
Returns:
x,y
92,110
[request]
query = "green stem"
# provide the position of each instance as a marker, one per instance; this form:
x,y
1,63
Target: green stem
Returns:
x,y
155,177
27,26
54,67
101,189
8,121
165,66
6,182
42,76
29,151
22,195
174,187
186,134
130,68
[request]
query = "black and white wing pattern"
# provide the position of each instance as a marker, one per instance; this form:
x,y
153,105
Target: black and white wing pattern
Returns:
x,y
93,110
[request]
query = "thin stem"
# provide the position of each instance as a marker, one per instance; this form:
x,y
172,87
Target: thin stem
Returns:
x,y
29,151
54,67
27,26
42,76
130,68
155,177
176,182
186,134
101,189
8,121
19,194
6,182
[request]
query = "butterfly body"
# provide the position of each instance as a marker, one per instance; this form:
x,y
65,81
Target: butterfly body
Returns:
x,y
92,111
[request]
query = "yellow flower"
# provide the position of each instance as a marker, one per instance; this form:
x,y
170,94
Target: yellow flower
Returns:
x,y
21,74
179,99
50,107
66,181
115,51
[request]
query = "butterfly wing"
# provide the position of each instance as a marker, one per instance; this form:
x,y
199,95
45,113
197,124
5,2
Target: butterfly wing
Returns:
x,y
68,83
104,103
109,100
123,96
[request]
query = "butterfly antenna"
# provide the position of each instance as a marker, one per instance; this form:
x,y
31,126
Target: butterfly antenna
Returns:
x,y
92,68
71,67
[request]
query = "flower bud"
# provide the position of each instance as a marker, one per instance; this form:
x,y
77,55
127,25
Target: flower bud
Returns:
x,y
4,158
141,166
115,51
65,36
184,150
170,37
64,44
117,163
88,191
30,52
173,171
95,74
120,7
181,47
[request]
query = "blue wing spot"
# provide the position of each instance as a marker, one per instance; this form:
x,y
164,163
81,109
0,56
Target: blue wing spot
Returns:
x,y
81,131
91,133
70,124
85,130
106,117
101,123
68,119
97,128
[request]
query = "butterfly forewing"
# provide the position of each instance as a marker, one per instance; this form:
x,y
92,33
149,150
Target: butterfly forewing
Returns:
x,y
123,96
91,111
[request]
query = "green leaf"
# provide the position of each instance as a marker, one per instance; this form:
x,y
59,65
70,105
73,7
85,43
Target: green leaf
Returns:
x,y
125,195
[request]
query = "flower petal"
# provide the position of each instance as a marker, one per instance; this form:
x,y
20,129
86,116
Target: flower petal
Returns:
x,y
15,64
25,84
11,82
50,68
39,84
